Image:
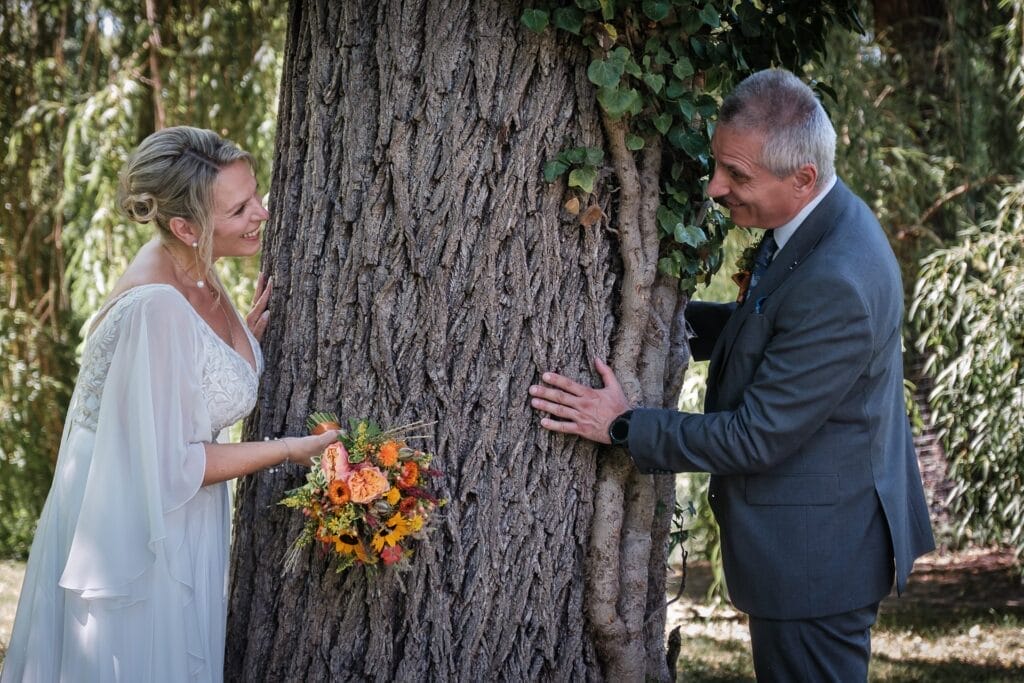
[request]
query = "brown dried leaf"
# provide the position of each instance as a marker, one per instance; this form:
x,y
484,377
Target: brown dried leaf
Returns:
x,y
591,215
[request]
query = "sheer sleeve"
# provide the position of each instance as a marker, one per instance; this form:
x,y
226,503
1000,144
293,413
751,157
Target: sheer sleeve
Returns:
x,y
148,458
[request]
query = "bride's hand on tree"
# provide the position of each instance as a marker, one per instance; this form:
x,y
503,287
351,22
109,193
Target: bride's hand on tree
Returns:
x,y
259,316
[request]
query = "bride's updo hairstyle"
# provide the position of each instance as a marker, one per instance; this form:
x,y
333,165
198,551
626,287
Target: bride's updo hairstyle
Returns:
x,y
171,174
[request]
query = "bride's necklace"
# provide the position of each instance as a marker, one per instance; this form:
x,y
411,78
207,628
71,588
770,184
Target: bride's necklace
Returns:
x,y
200,283
219,300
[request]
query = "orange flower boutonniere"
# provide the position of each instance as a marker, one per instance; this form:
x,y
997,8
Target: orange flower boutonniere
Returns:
x,y
745,263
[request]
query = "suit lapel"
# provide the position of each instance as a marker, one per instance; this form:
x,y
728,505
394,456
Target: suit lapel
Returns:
x,y
800,246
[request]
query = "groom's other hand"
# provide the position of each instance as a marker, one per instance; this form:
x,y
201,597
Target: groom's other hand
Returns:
x,y
581,410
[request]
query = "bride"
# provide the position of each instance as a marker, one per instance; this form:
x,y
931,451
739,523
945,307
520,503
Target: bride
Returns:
x,y
127,576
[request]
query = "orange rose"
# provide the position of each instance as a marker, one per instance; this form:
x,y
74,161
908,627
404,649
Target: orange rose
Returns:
x,y
367,485
388,454
334,461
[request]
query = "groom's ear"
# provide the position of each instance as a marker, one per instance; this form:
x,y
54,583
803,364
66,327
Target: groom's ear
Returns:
x,y
804,180
183,230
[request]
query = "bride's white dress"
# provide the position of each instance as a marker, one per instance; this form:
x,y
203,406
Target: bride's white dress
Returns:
x,y
127,576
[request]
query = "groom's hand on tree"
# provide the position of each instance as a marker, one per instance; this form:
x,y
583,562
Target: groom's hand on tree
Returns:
x,y
581,410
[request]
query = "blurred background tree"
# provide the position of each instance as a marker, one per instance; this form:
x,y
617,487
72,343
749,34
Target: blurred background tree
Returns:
x,y
86,82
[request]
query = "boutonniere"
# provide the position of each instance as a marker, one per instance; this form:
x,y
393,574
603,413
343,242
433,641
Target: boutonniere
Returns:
x,y
745,263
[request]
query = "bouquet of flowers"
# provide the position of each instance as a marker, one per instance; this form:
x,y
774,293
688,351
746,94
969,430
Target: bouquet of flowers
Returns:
x,y
364,498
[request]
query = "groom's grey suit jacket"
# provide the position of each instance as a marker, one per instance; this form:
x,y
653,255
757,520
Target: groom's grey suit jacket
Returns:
x,y
815,482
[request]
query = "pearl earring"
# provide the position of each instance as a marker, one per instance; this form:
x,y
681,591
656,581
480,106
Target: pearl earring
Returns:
x,y
195,247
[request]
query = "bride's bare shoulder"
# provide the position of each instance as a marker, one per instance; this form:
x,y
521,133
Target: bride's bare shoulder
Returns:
x,y
149,267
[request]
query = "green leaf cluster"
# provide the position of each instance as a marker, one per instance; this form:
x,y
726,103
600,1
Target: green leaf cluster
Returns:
x,y
662,66
582,163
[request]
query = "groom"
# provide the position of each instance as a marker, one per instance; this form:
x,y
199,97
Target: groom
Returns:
x,y
814,480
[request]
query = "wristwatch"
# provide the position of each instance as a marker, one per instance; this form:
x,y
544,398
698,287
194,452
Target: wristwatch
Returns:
x,y
618,430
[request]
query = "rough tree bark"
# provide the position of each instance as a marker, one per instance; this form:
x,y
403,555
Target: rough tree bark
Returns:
x,y
424,271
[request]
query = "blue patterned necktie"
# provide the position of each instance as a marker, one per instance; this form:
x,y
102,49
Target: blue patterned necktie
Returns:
x,y
765,254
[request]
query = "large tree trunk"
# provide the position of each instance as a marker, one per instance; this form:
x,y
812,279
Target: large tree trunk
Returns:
x,y
424,271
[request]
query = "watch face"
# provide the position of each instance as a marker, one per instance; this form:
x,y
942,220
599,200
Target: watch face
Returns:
x,y
618,432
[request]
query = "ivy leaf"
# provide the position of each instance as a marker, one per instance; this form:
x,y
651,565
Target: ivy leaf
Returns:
x,y
690,235
654,81
574,155
687,140
620,54
675,89
593,156
707,105
699,47
687,108
588,5
667,219
656,10
668,266
634,142
632,68
535,19
663,122
583,178
682,69
568,19
709,15
695,145
607,9
691,23
618,101
604,74
553,169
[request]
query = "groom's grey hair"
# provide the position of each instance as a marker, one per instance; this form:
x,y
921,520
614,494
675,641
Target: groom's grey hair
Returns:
x,y
785,111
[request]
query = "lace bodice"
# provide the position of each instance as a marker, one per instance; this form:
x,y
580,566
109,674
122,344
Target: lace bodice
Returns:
x,y
228,382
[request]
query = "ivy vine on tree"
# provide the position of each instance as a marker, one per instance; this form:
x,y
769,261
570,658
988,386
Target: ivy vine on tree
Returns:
x,y
661,65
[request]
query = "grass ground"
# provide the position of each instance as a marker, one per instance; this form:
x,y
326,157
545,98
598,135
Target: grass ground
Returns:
x,y
961,620
11,574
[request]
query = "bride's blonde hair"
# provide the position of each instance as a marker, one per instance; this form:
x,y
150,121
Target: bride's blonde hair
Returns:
x,y
171,174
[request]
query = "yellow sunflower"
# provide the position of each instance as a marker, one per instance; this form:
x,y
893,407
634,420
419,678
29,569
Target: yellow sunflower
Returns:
x,y
349,544
414,523
394,495
393,531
